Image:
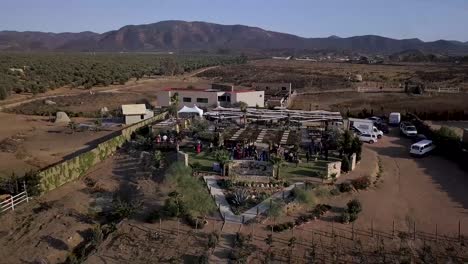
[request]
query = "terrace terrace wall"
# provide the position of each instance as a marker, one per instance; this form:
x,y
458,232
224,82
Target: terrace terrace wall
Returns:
x,y
72,169
250,168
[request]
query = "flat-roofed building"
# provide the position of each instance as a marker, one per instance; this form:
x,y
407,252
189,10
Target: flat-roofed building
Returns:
x,y
135,113
211,97
277,94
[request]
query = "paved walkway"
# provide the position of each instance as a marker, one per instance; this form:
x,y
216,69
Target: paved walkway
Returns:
x,y
225,209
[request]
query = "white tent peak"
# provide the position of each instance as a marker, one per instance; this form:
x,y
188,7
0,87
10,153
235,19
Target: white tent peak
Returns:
x,y
189,110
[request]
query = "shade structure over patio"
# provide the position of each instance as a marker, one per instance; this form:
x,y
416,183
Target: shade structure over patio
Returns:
x,y
302,117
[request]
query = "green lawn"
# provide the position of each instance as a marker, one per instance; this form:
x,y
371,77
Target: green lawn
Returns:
x,y
289,170
310,169
204,158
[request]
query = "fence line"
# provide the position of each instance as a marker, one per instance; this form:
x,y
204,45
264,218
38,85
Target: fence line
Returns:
x,y
13,201
361,89
444,90
329,243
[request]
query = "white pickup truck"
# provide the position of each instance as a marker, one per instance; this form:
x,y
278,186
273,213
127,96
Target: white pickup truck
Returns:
x,y
408,129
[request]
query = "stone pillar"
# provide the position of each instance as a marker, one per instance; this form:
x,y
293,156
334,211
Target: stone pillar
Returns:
x,y
334,168
353,161
183,157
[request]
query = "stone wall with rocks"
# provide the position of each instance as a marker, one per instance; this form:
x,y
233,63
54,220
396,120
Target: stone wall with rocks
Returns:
x,y
250,168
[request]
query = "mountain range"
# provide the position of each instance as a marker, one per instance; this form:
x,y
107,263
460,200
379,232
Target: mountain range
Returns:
x,y
198,36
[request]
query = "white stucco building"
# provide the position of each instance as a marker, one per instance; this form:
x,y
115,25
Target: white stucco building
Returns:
x,y
211,97
135,113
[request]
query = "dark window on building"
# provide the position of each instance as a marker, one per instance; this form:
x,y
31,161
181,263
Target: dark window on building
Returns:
x,y
142,117
224,98
186,99
260,95
202,100
283,88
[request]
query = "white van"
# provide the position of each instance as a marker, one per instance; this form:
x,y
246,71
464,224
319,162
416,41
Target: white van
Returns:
x,y
422,147
394,118
370,138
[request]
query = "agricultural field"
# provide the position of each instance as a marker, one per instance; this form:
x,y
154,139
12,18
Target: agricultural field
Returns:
x,y
39,72
319,76
434,106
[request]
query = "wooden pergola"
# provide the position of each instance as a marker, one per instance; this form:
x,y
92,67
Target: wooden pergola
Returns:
x,y
255,114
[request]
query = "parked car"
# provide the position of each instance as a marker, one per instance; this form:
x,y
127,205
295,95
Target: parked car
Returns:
x,y
383,127
377,120
394,119
408,129
422,148
368,137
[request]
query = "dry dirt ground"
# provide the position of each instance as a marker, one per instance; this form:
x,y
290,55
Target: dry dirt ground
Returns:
x,y
50,227
425,191
38,143
426,195
314,76
32,142
429,190
381,102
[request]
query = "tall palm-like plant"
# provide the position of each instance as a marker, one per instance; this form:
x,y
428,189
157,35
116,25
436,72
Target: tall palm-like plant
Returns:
x,y
277,162
243,107
175,104
223,157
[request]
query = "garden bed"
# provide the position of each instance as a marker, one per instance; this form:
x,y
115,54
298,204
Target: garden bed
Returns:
x,y
316,213
243,195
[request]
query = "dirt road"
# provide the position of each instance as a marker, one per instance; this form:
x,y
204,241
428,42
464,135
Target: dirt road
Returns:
x,y
428,191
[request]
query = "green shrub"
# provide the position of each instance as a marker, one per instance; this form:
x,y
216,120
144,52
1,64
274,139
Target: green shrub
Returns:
x,y
195,200
157,158
354,206
335,192
345,187
194,222
153,216
345,218
302,196
345,164
213,239
361,183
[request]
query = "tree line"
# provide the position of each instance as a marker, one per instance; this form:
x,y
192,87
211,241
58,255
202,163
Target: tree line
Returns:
x,y
39,72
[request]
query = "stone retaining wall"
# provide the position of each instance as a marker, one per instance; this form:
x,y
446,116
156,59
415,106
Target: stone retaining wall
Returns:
x,y
72,169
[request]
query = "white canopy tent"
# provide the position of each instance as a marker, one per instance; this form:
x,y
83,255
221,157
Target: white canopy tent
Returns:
x,y
191,110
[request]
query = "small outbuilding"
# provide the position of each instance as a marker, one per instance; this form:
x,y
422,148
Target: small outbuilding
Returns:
x,y
134,113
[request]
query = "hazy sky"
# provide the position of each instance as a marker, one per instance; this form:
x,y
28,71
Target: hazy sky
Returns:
x,y
424,19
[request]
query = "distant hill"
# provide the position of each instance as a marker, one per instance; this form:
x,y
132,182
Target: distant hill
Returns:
x,y
195,36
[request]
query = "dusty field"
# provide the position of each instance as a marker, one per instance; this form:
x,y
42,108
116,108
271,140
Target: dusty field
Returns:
x,y
382,103
310,76
31,142
50,227
428,190
38,143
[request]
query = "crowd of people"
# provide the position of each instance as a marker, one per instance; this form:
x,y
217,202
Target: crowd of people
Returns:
x,y
249,151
